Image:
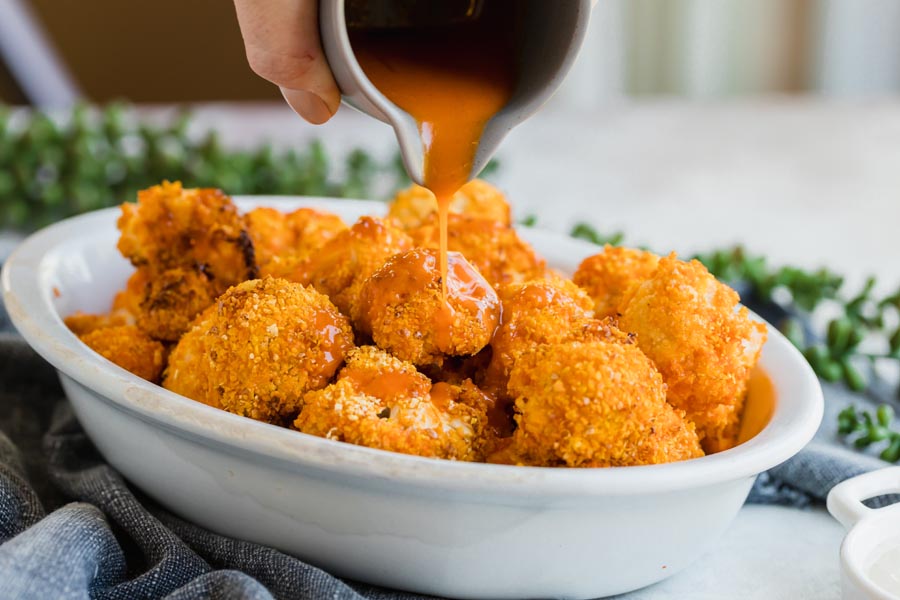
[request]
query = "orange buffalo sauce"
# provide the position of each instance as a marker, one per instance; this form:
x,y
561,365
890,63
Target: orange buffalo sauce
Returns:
x,y
386,386
452,80
758,407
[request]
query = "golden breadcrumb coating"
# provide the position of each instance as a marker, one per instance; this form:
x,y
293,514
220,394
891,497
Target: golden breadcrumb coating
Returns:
x,y
540,312
171,227
343,264
130,348
595,404
413,206
285,238
495,249
83,323
402,307
608,275
135,291
704,345
172,300
382,402
259,349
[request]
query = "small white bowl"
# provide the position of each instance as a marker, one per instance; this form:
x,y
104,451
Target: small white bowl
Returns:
x,y
873,532
430,526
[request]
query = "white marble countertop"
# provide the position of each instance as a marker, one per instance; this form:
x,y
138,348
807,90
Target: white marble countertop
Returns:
x,y
801,181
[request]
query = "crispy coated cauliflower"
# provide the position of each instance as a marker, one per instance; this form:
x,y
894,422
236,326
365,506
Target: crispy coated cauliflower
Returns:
x,y
703,343
259,348
608,275
594,404
498,252
478,199
383,402
171,227
340,268
540,312
281,240
130,348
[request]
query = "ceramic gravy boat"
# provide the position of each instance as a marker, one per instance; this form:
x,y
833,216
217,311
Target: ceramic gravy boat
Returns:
x,y
554,30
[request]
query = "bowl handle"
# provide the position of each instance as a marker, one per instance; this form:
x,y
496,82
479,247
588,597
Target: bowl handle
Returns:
x,y
845,500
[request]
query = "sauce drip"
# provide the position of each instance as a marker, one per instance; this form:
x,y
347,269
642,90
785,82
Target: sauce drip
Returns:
x,y
452,79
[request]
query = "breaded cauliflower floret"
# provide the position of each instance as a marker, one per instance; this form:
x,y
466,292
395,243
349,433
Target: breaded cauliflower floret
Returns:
x,y
83,323
259,349
172,300
171,227
403,309
135,291
595,404
495,249
280,240
704,345
343,264
382,402
608,275
130,348
541,312
478,199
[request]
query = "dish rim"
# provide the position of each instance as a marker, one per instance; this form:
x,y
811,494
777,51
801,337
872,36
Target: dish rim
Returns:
x,y
28,298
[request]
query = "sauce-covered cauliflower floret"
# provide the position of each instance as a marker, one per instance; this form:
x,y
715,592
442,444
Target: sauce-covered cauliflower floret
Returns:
x,y
702,342
382,402
607,276
498,252
478,199
402,307
594,404
343,264
259,348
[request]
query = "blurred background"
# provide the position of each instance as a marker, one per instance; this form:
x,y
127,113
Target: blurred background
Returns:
x,y
677,113
54,51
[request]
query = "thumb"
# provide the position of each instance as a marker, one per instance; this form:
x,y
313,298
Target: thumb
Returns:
x,y
281,38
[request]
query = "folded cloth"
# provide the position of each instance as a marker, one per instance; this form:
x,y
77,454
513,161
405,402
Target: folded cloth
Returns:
x,y
71,527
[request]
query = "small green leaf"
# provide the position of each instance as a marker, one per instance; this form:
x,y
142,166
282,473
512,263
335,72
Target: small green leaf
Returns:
x,y
584,231
855,380
892,452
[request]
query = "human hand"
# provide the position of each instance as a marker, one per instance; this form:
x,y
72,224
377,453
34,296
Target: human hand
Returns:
x,y
281,38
